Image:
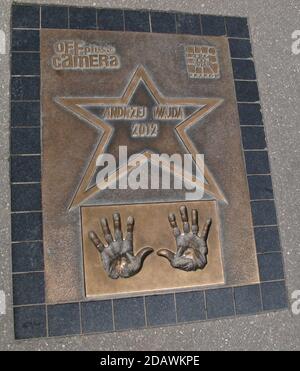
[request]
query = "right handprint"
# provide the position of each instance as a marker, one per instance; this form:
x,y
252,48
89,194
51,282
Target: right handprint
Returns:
x,y
192,249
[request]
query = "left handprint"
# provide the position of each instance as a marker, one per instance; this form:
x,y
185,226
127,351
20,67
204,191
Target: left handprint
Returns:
x,y
117,256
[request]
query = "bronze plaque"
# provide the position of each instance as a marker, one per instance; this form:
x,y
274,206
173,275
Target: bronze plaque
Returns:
x,y
157,274
136,96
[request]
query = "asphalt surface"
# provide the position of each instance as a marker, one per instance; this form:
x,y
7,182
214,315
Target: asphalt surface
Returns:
x,y
278,69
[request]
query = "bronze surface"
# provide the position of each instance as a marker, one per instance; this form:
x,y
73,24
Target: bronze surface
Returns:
x,y
70,141
151,229
118,137
117,255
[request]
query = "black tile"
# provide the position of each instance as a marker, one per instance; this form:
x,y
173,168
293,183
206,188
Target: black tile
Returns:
x,y
237,27
137,21
162,22
247,299
111,19
246,91
190,306
96,316
27,257
243,69
27,227
26,197
188,24
271,267
28,288
25,16
253,137
160,310
25,113
260,187
64,319
25,169
25,141
25,64
30,322
129,313
250,114
25,40
213,25
83,18
263,213
54,17
274,295
240,48
257,162
25,88
267,239
219,303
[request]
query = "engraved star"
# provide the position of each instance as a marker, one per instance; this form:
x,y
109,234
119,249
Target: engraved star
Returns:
x,y
141,91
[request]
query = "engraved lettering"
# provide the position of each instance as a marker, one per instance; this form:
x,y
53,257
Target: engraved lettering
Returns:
x,y
144,130
73,55
135,130
125,113
168,113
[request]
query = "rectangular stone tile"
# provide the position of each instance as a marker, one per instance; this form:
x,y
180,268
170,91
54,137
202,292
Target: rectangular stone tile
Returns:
x,y
274,295
188,24
25,169
28,288
220,303
25,41
162,22
97,316
25,16
160,310
27,257
250,114
247,299
271,267
254,138
111,19
246,91
213,25
26,197
260,187
190,306
25,141
137,21
25,88
25,114
64,319
264,213
55,17
27,227
26,64
83,18
237,27
257,162
267,239
30,322
243,69
240,48
129,313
